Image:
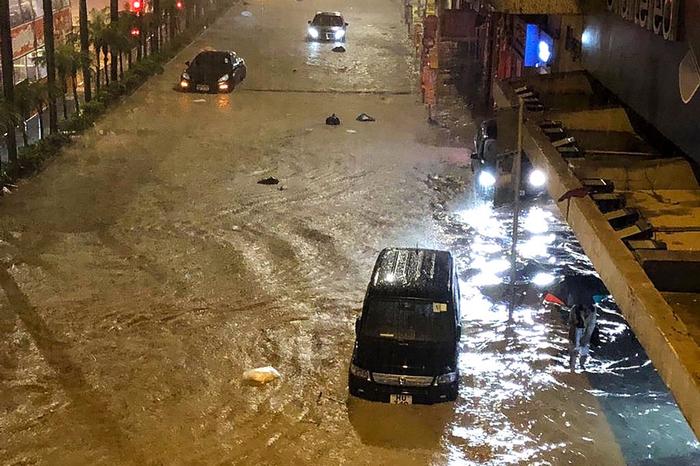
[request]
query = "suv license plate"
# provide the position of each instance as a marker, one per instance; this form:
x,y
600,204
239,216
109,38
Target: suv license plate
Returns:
x,y
202,87
400,399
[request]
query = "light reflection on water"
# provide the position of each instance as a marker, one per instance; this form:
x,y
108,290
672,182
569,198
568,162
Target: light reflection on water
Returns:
x,y
518,402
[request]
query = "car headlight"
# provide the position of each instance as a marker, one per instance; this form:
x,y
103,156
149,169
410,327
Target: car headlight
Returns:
x,y
486,179
340,33
185,76
537,178
224,78
359,372
446,378
313,32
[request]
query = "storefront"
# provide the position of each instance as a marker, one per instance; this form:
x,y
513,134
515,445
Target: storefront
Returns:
x,y
27,21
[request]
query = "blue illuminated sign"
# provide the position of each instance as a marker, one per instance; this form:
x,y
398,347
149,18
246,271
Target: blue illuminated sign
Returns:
x,y
539,47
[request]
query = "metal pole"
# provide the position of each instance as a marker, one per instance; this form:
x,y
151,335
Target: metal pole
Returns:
x,y
517,168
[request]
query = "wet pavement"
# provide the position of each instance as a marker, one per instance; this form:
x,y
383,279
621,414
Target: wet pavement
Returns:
x,y
145,270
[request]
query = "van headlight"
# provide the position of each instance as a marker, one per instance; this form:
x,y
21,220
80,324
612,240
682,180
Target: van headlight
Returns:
x,y
443,379
185,76
537,178
486,179
339,34
359,372
224,78
313,32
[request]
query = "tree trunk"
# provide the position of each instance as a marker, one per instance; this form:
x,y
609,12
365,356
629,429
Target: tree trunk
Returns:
x,y
74,84
128,58
113,19
105,58
8,82
155,41
64,91
40,111
25,138
97,69
50,63
121,65
85,50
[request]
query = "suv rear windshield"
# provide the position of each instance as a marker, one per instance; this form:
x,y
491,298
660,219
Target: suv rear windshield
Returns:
x,y
327,20
408,320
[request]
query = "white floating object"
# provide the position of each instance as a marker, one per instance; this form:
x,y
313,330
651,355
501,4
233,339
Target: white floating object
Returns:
x,y
261,375
246,13
199,100
351,131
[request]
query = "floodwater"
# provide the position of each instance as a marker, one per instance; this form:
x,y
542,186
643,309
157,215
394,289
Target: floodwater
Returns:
x,y
145,270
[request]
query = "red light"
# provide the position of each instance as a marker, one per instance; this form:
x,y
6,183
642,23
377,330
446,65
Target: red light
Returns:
x,y
135,32
179,5
136,5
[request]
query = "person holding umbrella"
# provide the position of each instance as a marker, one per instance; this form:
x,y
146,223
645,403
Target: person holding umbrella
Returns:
x,y
580,293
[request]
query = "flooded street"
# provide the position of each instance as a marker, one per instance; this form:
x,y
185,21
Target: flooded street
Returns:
x,y
145,270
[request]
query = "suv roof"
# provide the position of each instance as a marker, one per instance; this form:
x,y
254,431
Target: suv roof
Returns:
x,y
412,273
328,13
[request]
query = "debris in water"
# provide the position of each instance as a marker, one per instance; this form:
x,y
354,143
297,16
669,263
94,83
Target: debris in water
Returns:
x,y
199,100
333,120
365,117
351,131
246,13
261,375
339,48
269,180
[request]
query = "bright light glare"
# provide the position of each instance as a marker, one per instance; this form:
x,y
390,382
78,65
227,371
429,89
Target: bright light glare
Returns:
x,y
339,34
313,32
223,86
544,53
537,178
184,84
486,179
543,279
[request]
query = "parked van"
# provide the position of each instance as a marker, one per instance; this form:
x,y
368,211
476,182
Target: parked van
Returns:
x,y
406,340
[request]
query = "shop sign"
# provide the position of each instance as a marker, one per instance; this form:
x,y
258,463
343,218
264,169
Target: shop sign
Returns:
x,y
657,16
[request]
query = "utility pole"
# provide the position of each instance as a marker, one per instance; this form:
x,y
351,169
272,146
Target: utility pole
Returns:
x,y
517,169
8,80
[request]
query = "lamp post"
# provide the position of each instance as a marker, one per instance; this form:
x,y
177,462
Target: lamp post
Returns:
x,y
517,169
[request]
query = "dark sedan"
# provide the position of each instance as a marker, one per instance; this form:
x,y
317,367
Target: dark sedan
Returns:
x,y
213,71
327,26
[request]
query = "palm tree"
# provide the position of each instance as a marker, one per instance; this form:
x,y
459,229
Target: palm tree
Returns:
x,y
125,41
41,94
50,62
98,26
9,119
113,20
7,72
157,19
85,49
25,103
65,57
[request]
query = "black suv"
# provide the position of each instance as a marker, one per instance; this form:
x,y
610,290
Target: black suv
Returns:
x,y
327,26
406,340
